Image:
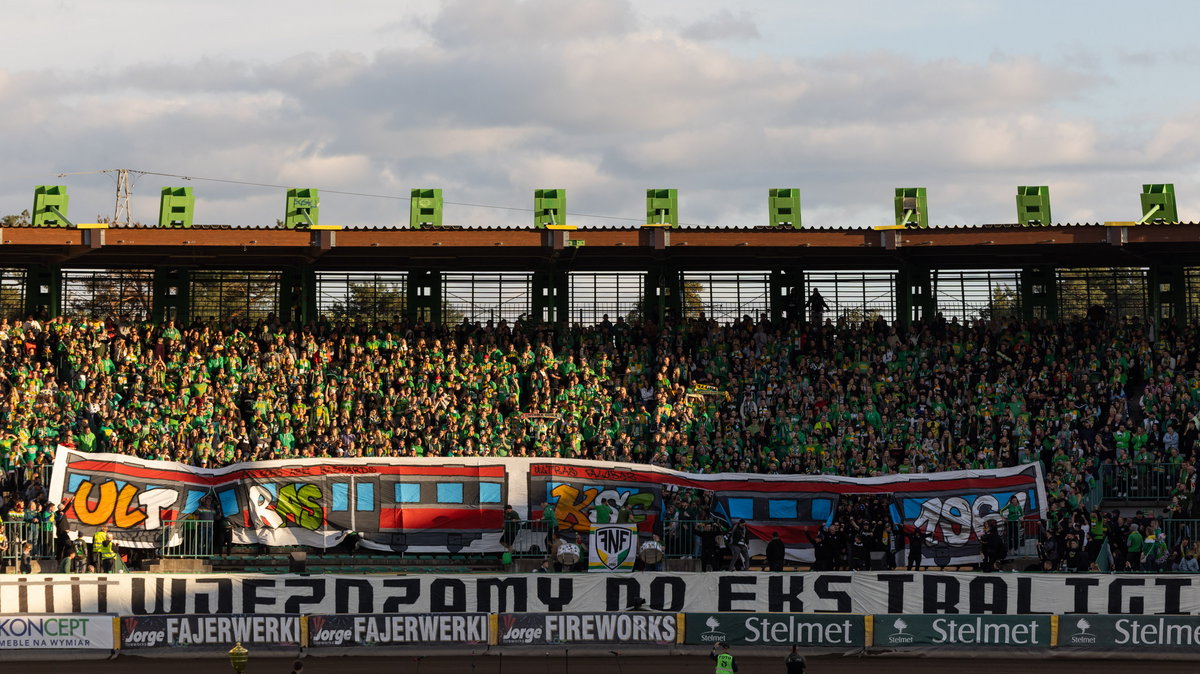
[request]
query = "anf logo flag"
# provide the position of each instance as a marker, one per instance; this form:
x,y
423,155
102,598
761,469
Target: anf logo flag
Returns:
x,y
613,547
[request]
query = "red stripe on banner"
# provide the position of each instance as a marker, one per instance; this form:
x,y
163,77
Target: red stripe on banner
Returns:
x,y
465,519
909,483
309,471
752,485
792,534
149,474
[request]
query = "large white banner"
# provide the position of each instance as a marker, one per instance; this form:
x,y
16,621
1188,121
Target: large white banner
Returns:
x,y
457,504
832,592
57,632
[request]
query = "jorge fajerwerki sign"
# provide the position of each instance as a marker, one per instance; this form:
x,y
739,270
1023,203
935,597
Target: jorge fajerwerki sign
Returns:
x,y
340,631
833,592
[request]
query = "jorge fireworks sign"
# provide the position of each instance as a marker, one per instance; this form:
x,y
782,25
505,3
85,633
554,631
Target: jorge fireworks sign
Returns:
x,y
539,629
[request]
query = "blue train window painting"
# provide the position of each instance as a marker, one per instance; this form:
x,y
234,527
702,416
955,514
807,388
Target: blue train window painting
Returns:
x,y
782,509
408,492
489,492
340,501
740,508
364,497
822,509
449,492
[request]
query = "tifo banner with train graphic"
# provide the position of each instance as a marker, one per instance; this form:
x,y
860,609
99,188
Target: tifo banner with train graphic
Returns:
x,y
455,504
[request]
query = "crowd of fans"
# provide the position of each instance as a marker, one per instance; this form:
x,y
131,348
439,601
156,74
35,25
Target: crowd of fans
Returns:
x,y
1088,399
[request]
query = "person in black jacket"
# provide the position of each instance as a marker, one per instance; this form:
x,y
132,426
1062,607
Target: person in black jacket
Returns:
x,y
795,662
710,550
775,553
993,548
916,539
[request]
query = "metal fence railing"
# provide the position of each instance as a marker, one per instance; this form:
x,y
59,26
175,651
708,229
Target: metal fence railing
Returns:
x,y
187,539
529,538
17,534
1177,530
1139,481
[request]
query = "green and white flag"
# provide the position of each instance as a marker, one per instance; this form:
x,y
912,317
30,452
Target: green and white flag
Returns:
x,y
612,547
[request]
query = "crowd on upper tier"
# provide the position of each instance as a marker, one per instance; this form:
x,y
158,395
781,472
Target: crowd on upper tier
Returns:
x,y
756,396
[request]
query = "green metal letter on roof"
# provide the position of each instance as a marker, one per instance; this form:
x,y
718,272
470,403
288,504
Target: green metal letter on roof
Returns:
x,y
50,206
176,207
662,208
303,208
784,204
912,208
425,209
1158,204
1033,205
549,208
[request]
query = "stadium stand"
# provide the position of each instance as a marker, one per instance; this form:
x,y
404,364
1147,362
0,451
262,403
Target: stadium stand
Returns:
x,y
1100,404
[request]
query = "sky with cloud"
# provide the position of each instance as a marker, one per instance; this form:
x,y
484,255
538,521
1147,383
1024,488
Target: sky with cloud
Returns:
x,y
491,99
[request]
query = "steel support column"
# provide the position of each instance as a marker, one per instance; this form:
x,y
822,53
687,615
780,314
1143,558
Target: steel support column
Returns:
x,y
43,290
170,297
787,295
425,296
298,295
664,295
1168,295
914,295
1039,294
551,296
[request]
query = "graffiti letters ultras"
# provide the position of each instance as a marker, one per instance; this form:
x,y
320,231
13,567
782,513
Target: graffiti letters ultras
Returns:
x,y
452,505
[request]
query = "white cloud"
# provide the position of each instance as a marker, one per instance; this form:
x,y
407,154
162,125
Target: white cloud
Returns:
x,y
724,25
497,99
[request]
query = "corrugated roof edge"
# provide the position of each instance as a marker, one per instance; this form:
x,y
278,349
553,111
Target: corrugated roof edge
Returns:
x,y
629,228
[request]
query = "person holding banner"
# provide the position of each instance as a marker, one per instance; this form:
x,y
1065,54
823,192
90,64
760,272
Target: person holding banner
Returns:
x,y
739,547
